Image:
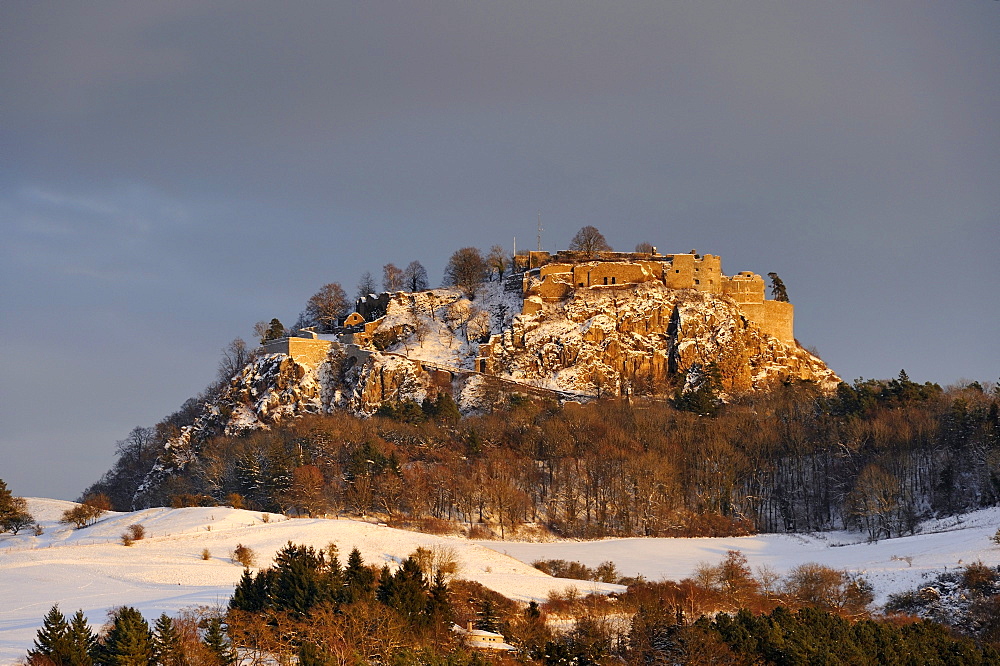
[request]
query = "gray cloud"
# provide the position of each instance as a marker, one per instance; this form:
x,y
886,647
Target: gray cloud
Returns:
x,y
173,172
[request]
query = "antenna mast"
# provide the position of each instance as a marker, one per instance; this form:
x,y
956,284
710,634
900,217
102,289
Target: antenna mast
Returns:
x,y
539,232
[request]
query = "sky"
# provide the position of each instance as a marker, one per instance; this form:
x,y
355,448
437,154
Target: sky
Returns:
x,y
173,172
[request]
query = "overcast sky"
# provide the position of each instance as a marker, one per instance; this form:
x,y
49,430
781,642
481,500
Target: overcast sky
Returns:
x,y
172,172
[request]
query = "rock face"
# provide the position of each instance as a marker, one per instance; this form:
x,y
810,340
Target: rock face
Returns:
x,y
642,338
636,339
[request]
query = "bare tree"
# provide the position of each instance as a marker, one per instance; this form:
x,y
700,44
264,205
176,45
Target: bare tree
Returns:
x,y
326,306
392,278
466,270
498,261
589,240
235,356
644,247
415,277
366,285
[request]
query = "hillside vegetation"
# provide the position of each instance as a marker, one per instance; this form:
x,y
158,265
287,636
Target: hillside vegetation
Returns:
x,y
875,456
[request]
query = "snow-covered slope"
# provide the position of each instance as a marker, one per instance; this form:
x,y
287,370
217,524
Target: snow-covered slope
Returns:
x,y
92,570
164,572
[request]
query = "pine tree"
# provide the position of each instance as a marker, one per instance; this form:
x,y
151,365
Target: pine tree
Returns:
x,y
405,591
167,647
83,642
129,642
439,611
248,594
778,291
359,581
52,640
487,618
218,645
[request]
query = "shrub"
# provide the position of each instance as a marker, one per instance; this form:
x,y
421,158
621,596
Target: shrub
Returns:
x,y
437,559
244,555
134,533
481,532
88,511
205,554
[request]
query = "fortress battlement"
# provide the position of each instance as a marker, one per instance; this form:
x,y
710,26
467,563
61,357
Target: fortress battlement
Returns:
x,y
550,278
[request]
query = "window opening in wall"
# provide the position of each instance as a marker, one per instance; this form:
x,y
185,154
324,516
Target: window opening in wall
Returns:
x,y
613,280
697,281
605,280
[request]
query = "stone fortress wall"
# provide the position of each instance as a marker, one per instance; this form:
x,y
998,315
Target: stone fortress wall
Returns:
x,y
549,278
554,277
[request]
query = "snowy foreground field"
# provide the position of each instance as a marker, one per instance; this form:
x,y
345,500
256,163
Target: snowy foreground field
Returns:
x,y
92,570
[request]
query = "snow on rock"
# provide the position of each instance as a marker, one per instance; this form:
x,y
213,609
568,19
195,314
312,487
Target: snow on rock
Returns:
x,y
606,340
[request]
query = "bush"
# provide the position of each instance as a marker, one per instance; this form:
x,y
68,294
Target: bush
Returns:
x,y
205,554
243,555
437,559
88,511
134,533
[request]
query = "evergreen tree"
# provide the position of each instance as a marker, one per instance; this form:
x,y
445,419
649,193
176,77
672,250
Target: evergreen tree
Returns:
x,y
405,591
218,645
249,595
778,291
302,579
275,330
439,611
129,641
83,642
359,581
487,618
167,647
53,640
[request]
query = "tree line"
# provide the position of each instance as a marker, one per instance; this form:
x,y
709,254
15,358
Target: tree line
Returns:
x,y
875,456
308,608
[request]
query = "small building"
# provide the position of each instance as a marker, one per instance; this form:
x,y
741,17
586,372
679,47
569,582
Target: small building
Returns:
x,y
354,319
480,639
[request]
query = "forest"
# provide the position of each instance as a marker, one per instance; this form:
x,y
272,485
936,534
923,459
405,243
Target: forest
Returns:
x,y
875,456
310,609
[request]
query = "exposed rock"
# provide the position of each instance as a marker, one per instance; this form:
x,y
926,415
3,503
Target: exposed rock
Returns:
x,y
642,338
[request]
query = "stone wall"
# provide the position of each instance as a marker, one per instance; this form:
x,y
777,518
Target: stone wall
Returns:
x,y
744,288
575,270
603,273
303,350
772,317
694,271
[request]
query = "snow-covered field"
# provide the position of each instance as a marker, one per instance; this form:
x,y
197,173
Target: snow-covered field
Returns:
x,y
92,570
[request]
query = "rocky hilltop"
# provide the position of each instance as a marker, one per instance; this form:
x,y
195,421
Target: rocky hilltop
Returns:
x,y
641,338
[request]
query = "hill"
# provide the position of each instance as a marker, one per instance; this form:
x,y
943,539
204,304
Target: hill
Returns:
x,y
92,570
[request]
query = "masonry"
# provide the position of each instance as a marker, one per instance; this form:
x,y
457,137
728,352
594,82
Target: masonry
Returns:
x,y
551,278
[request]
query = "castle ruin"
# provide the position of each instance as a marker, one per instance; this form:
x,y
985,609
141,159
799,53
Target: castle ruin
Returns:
x,y
550,278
